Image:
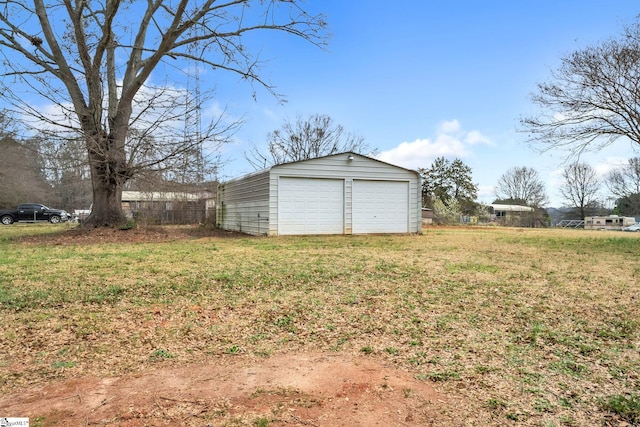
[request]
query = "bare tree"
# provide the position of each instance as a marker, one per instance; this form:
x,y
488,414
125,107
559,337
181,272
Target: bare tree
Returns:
x,y
592,98
581,186
624,183
522,185
306,138
94,60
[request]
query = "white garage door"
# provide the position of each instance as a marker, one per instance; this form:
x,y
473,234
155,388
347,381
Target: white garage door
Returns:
x,y
380,206
310,206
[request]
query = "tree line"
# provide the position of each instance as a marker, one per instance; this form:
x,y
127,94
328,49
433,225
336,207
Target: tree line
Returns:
x,y
448,189
57,174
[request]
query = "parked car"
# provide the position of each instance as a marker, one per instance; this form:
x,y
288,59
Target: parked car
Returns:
x,y
634,227
33,212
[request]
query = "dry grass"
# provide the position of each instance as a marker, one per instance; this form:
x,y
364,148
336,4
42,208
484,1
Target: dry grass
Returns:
x,y
522,327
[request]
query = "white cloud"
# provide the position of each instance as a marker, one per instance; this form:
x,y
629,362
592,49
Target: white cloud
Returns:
x,y
486,193
450,142
474,137
421,152
610,163
54,118
449,127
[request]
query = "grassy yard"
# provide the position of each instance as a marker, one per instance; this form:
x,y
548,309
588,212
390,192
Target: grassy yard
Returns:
x,y
517,326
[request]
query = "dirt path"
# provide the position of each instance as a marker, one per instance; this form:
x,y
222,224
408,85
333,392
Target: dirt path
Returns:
x,y
288,389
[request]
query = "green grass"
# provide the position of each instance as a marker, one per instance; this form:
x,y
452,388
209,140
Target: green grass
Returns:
x,y
626,408
526,327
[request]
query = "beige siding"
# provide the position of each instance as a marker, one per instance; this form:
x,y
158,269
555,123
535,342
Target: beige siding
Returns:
x,y
243,204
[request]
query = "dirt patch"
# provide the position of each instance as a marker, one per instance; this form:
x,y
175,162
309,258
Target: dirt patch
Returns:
x,y
138,234
288,389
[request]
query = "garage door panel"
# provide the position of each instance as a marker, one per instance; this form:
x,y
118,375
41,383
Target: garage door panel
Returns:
x,y
310,206
380,206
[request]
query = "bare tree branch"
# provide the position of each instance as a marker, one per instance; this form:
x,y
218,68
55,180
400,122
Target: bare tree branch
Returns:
x,y
581,186
70,53
306,138
522,185
591,100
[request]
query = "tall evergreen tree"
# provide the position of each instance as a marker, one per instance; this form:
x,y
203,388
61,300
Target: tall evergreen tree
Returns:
x,y
447,180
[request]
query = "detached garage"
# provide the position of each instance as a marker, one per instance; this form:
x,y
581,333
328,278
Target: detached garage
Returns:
x,y
343,193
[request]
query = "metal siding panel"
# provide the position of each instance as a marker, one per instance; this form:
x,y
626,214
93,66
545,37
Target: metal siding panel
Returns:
x,y
348,209
416,202
243,204
273,205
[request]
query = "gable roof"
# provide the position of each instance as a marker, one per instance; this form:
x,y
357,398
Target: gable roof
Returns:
x,y
345,153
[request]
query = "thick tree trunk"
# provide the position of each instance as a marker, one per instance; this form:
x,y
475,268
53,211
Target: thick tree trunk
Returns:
x,y
108,175
107,207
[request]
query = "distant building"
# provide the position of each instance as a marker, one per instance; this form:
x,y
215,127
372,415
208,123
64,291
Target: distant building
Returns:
x,y
511,214
169,207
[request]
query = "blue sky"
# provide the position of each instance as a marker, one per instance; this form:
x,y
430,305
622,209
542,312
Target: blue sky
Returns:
x,y
420,79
